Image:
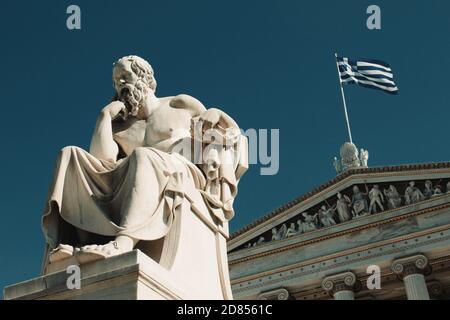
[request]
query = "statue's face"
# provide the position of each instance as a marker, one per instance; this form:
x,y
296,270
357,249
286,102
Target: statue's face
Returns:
x,y
130,89
123,77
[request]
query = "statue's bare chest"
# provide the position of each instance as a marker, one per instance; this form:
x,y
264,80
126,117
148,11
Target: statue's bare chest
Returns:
x,y
166,123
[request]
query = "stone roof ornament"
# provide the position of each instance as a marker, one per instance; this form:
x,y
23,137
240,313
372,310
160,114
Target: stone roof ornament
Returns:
x,y
350,158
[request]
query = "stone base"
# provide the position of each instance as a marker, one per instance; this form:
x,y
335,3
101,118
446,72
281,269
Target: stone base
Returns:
x,y
130,276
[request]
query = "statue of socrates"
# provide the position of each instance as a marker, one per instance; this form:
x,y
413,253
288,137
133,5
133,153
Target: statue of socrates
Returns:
x,y
139,176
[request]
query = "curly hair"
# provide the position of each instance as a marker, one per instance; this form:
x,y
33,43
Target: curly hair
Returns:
x,y
141,68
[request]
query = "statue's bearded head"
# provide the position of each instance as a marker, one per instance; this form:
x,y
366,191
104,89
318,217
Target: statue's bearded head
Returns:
x,y
132,80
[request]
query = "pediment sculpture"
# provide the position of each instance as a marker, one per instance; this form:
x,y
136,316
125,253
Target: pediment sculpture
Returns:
x,y
354,202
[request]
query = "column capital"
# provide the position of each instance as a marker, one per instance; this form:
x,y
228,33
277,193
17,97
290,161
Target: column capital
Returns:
x,y
346,281
278,294
417,264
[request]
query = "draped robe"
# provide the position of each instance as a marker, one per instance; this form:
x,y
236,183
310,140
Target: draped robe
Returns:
x,y
139,195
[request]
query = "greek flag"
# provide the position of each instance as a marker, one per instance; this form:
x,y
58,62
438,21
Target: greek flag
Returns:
x,y
367,73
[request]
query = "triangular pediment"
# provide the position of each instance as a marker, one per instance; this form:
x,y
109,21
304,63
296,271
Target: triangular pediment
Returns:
x,y
353,195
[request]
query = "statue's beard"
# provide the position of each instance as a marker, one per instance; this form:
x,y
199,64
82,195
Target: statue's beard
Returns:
x,y
133,96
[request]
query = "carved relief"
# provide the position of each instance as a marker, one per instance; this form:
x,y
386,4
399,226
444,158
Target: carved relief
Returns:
x,y
353,203
346,281
350,158
417,264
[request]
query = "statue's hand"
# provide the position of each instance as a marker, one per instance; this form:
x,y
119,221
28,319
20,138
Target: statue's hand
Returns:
x,y
114,109
210,118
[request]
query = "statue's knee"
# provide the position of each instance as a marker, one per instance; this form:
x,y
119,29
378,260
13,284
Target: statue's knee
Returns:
x,y
139,152
66,151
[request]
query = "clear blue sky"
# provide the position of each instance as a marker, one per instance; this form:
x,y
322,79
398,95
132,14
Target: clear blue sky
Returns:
x,y
269,64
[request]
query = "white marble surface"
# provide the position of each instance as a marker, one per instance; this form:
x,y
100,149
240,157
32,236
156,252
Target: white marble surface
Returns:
x,y
130,276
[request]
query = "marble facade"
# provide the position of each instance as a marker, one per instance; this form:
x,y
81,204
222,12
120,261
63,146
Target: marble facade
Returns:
x,y
409,242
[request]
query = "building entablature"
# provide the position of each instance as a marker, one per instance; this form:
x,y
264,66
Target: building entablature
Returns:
x,y
358,194
399,214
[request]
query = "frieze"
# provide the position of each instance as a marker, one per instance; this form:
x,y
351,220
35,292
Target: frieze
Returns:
x,y
386,171
354,202
298,271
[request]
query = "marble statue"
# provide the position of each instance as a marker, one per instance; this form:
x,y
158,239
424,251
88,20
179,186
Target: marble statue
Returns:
x,y
275,235
362,204
413,194
364,157
299,226
326,216
291,231
280,233
343,205
337,165
359,203
350,158
261,240
437,191
376,199
428,192
137,185
393,197
310,222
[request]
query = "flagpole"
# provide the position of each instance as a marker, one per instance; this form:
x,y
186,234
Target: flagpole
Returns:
x,y
343,100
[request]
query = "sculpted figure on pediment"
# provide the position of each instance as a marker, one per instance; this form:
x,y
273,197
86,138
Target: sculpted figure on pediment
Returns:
x,y
359,203
376,199
413,194
428,191
310,222
326,216
291,231
280,233
343,205
261,240
393,197
437,191
299,226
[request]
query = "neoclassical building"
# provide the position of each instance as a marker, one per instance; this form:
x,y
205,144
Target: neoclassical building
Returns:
x,y
367,226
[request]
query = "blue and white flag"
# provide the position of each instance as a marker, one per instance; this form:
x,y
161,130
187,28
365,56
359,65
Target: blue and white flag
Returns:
x,y
367,73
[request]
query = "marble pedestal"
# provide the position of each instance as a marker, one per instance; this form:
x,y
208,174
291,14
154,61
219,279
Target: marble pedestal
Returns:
x,y
130,276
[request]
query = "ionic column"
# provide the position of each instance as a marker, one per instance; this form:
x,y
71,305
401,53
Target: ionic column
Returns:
x,y
412,271
341,286
278,294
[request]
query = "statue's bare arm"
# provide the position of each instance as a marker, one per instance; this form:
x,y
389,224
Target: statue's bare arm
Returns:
x,y
103,146
213,116
186,102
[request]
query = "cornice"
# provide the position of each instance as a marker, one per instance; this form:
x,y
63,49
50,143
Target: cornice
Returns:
x,y
400,170
340,233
